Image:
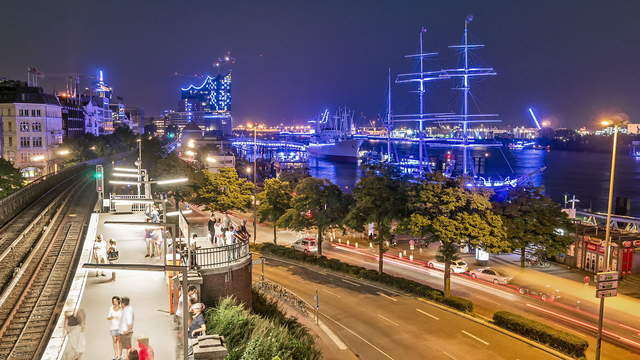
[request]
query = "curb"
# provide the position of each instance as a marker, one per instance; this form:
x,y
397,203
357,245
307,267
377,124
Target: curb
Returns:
x,y
482,320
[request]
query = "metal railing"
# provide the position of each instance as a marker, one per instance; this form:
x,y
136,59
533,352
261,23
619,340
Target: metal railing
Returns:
x,y
221,256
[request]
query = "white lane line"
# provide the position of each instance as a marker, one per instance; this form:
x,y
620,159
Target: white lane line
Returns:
x,y
475,337
449,355
384,318
350,282
387,296
358,336
330,292
429,315
332,336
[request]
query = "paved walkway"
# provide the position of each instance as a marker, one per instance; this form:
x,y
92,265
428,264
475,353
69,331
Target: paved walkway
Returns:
x,y
148,292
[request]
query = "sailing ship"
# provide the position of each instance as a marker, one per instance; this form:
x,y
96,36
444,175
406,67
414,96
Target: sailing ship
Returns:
x,y
333,137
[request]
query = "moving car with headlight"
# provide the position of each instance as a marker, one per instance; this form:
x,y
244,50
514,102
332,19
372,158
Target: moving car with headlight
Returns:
x,y
306,245
457,266
491,274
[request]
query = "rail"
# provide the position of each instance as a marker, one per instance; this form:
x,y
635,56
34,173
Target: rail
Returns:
x,y
221,256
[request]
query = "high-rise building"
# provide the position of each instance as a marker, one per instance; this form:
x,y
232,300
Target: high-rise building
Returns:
x,y
31,123
73,115
98,119
207,105
136,119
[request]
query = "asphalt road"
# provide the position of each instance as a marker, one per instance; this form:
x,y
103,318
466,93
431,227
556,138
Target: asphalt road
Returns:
x,y
378,324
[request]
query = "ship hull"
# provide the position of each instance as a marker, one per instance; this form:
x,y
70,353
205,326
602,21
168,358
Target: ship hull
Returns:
x,y
345,150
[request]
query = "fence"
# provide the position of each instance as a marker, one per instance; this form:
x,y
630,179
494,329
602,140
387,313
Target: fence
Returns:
x,y
221,256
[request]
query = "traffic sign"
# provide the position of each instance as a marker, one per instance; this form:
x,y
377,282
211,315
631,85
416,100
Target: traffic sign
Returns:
x,y
607,285
607,276
606,293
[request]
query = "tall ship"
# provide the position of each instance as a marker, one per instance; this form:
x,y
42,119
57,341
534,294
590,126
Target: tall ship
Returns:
x,y
333,136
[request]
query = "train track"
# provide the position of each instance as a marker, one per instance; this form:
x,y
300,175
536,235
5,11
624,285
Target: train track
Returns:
x,y
32,296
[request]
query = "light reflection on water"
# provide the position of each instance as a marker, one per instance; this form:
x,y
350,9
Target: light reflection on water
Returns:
x,y
584,174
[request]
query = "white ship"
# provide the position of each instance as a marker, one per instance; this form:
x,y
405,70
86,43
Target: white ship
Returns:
x,y
333,137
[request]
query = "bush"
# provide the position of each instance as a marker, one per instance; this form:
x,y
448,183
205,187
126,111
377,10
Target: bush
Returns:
x,y
562,341
459,303
250,336
402,284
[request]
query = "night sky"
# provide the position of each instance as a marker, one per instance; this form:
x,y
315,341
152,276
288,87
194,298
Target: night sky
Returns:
x,y
569,59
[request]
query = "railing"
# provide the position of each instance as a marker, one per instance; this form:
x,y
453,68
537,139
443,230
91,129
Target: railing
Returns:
x,y
128,206
221,256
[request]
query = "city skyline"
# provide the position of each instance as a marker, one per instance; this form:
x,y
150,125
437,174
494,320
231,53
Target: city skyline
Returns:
x,y
295,60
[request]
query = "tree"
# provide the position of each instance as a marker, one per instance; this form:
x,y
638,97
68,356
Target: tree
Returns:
x,y
533,219
316,203
224,191
455,215
10,178
294,176
274,201
380,198
174,167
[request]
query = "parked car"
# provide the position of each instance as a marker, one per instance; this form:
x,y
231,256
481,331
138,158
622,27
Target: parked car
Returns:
x,y
457,266
306,245
490,274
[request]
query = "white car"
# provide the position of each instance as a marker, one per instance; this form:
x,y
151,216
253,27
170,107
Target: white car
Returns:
x,y
457,266
306,245
493,275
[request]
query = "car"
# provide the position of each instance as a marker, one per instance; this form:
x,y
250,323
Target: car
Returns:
x,y
457,266
491,274
306,245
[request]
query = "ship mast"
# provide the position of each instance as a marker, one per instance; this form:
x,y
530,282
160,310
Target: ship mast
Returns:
x,y
389,117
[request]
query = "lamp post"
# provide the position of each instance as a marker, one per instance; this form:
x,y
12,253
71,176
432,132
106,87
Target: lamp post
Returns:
x,y
255,182
139,162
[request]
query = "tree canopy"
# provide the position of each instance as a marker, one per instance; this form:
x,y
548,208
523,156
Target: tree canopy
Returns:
x,y
224,191
316,203
10,178
531,218
274,201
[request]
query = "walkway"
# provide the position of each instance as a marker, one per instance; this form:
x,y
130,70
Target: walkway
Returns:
x,y
148,292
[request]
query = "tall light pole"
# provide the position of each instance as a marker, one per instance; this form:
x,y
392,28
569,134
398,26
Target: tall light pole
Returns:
x,y
139,162
607,237
255,179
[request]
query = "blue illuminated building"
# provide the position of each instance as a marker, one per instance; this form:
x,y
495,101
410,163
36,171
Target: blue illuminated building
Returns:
x,y
208,105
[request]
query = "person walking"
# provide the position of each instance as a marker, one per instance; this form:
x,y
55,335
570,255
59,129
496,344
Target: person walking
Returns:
x,y
219,234
126,324
145,352
114,315
211,226
74,328
100,253
112,256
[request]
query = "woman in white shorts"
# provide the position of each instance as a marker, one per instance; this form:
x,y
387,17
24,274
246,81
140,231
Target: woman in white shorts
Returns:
x,y
115,313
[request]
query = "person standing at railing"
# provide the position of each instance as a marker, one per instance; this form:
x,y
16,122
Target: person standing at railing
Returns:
x,y
211,226
219,234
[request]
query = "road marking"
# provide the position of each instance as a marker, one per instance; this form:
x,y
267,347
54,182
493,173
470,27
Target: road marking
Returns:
x,y
350,282
332,336
387,296
330,292
449,355
475,337
429,315
384,318
358,336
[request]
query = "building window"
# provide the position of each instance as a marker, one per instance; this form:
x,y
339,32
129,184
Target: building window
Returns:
x,y
37,142
24,126
36,126
38,113
25,142
10,141
24,157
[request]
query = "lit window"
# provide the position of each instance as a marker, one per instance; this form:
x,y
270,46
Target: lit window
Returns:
x,y
25,142
37,141
24,126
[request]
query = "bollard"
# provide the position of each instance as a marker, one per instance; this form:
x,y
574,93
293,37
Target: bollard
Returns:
x,y
404,252
340,240
420,250
411,257
400,255
356,244
348,243
370,244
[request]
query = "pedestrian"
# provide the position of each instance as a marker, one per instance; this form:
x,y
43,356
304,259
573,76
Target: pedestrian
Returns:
x,y
244,234
145,352
156,238
219,232
192,295
155,215
198,326
74,328
133,355
194,247
211,226
114,315
100,253
148,241
227,222
112,256
229,235
126,324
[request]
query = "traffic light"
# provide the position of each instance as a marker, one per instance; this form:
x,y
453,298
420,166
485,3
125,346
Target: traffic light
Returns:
x,y
97,175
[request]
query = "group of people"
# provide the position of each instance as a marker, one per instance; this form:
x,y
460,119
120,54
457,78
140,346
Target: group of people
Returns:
x,y
224,232
105,252
121,320
195,322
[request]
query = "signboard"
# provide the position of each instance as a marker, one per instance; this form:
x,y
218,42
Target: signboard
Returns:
x,y
481,255
606,293
607,276
607,285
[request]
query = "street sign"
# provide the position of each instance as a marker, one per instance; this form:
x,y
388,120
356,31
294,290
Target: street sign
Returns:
x,y
607,285
607,276
606,293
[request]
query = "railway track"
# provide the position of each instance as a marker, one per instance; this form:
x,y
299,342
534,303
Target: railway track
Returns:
x,y
33,293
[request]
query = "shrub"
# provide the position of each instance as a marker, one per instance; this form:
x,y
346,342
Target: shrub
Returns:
x,y
459,303
562,341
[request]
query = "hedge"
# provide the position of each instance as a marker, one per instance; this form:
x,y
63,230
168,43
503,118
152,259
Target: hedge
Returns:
x,y
562,341
399,283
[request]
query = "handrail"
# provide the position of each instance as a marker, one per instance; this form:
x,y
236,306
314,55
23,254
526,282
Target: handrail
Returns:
x,y
221,256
